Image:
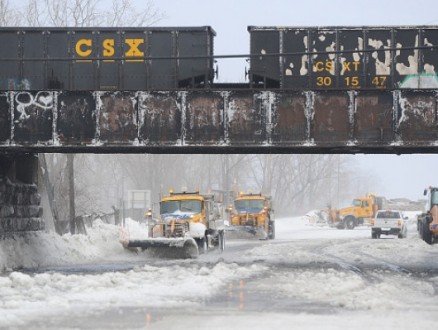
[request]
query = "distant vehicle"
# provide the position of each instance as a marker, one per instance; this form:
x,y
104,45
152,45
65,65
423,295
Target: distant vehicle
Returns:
x,y
251,214
389,222
427,222
189,221
362,210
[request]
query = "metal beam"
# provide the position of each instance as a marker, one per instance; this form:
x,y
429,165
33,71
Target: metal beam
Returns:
x,y
220,121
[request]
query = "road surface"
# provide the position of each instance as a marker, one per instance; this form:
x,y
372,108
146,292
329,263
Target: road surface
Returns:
x,y
308,277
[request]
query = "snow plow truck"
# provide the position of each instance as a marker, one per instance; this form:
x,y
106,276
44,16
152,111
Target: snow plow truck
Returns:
x,y
189,222
251,216
362,211
427,222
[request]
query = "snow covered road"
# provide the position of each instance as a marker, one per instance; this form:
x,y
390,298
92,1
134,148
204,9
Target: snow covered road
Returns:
x,y
308,277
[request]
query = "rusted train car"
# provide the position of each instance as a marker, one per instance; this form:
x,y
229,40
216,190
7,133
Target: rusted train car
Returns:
x,y
83,59
345,58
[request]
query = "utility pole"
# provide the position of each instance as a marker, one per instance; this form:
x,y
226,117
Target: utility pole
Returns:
x,y
227,181
71,192
339,166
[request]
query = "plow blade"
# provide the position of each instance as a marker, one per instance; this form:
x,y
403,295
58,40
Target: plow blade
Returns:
x,y
170,247
245,232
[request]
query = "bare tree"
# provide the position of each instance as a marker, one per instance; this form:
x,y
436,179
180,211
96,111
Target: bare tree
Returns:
x,y
123,13
9,16
298,182
89,13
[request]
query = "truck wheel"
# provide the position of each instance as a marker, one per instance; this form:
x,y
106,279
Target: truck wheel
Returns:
x,y
373,235
202,245
349,223
420,229
425,232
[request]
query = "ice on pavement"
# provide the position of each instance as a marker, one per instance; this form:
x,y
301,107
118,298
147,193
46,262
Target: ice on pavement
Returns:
x,y
25,297
383,296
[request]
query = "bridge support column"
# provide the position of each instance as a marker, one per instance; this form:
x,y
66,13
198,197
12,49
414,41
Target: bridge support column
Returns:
x,y
20,209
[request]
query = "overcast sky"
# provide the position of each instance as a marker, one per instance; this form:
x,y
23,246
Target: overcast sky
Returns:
x,y
397,176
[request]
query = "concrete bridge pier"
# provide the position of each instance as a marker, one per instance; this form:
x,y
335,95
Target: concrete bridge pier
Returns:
x,y
20,209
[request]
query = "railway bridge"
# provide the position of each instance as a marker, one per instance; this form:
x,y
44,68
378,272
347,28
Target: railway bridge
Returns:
x,y
152,90
199,121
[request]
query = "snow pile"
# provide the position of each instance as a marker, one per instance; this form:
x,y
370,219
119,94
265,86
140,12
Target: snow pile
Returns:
x,y
132,229
41,249
316,217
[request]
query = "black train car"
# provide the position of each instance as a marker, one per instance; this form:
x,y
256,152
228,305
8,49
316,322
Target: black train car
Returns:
x,y
81,59
361,58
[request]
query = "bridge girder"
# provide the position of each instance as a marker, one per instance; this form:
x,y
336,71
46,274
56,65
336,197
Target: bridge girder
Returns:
x,y
220,121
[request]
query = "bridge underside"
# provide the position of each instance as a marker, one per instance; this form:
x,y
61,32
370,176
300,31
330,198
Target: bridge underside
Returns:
x,y
220,121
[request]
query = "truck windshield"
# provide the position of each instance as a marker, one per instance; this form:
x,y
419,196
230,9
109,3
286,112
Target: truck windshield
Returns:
x,y
356,202
249,205
183,206
434,197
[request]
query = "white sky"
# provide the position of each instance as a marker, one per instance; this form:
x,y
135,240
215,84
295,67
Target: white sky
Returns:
x,y
397,176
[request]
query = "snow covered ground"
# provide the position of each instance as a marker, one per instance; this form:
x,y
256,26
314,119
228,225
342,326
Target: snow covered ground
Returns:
x,y
308,277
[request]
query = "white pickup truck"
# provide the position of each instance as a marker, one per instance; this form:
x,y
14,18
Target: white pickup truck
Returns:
x,y
389,222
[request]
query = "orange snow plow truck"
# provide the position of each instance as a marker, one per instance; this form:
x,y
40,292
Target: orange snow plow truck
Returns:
x,y
189,221
361,212
251,215
427,222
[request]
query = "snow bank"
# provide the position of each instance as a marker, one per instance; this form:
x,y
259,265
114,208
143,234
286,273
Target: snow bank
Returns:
x,y
42,249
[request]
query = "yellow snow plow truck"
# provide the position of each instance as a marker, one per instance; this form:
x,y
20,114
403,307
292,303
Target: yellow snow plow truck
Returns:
x,y
427,222
361,212
188,222
251,215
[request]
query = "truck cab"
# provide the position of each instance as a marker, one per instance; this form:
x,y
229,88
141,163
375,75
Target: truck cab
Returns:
x,y
253,213
178,214
188,220
362,210
190,214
